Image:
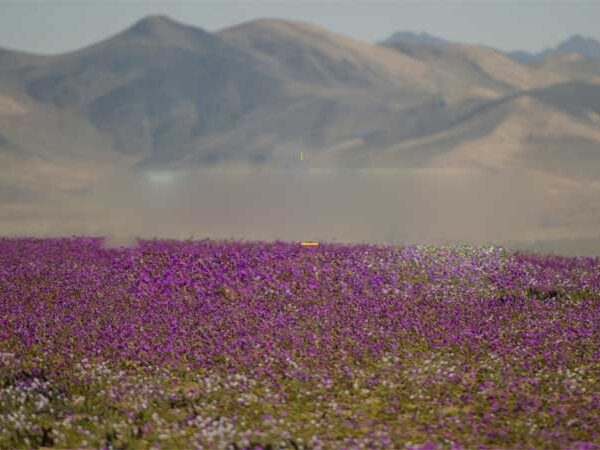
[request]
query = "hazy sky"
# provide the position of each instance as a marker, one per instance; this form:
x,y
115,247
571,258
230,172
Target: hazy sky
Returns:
x,y
49,26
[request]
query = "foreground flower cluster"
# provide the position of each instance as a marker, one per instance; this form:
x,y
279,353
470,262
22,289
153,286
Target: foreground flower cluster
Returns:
x,y
273,345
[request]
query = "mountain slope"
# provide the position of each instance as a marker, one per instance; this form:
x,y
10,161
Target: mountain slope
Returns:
x,y
153,88
571,66
546,130
474,70
12,59
576,98
532,136
579,45
412,38
309,54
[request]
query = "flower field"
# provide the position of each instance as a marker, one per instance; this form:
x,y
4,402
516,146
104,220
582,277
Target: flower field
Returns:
x,y
234,345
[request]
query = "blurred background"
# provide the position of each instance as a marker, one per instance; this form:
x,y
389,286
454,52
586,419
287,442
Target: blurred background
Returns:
x,y
347,121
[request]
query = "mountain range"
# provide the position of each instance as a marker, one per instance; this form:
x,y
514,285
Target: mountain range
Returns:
x,y
576,44
165,94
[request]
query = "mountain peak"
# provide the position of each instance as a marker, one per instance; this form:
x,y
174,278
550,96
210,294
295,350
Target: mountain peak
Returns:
x,y
585,46
162,30
159,27
154,23
576,44
414,38
578,39
276,25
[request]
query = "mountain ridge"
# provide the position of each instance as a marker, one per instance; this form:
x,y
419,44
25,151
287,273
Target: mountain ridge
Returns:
x,y
162,92
575,44
413,37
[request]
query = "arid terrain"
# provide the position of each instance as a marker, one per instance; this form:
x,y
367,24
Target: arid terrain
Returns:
x,y
168,130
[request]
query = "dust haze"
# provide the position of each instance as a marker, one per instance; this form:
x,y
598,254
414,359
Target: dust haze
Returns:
x,y
517,209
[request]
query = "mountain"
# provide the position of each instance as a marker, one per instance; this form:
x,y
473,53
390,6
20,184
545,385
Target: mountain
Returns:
x,y
162,93
553,129
153,88
12,59
524,132
309,54
524,57
571,66
585,47
576,44
412,38
577,58
337,88
588,47
9,105
476,71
